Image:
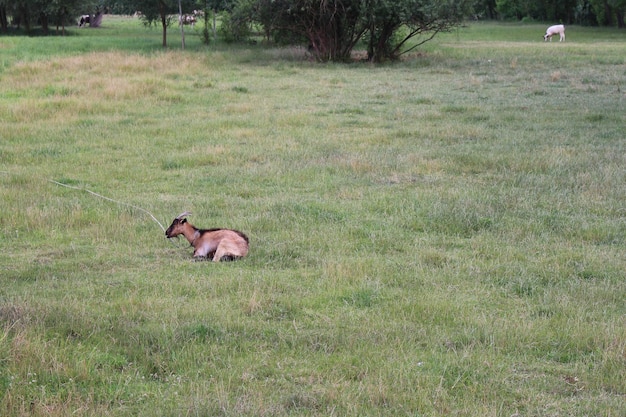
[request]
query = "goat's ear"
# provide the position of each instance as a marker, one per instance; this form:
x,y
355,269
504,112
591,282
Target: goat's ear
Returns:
x,y
183,221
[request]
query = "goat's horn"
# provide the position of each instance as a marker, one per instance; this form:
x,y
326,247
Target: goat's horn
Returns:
x,y
187,213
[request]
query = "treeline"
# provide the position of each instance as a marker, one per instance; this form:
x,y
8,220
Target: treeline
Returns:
x,y
28,14
582,12
331,28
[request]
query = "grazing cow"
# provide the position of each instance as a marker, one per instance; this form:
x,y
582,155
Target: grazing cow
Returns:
x,y
187,19
553,30
84,19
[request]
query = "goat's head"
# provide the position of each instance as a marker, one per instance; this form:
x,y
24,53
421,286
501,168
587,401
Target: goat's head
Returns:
x,y
177,226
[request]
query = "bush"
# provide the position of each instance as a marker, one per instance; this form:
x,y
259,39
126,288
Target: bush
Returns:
x,y
233,28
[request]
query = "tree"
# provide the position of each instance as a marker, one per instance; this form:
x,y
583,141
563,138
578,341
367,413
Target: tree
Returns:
x,y
30,13
610,12
484,9
334,27
4,16
237,21
153,11
60,12
606,12
331,27
161,12
64,12
22,11
210,9
392,24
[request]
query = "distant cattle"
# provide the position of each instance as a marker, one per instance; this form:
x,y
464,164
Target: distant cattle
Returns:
x,y
84,19
553,30
187,19
94,21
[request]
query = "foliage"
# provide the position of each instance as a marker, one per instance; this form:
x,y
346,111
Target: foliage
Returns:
x,y
610,12
333,28
328,26
384,19
206,33
484,9
61,12
161,12
43,13
236,23
603,12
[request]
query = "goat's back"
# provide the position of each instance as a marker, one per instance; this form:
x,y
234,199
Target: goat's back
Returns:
x,y
227,231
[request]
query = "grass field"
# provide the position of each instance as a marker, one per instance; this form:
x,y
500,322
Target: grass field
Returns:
x,y
445,235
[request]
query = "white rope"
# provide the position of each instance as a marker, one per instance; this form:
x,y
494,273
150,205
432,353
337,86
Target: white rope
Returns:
x,y
104,198
109,199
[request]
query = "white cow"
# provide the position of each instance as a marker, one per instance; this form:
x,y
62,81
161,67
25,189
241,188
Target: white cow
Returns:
x,y
553,30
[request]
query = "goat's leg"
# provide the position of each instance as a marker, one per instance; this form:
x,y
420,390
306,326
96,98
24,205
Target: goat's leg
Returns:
x,y
219,253
200,255
223,253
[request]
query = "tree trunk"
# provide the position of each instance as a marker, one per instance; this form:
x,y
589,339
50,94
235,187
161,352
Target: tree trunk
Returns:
x,y
4,24
25,18
164,25
163,13
214,25
620,19
607,14
44,23
181,23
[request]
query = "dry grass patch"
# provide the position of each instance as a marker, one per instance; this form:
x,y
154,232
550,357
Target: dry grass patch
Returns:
x,y
556,76
125,76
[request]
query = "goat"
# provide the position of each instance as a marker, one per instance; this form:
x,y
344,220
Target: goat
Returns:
x,y
216,244
553,30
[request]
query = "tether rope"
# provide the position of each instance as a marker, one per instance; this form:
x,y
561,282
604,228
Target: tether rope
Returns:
x,y
109,199
102,197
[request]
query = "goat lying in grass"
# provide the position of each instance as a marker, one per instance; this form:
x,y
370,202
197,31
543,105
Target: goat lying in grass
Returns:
x,y
216,244
553,30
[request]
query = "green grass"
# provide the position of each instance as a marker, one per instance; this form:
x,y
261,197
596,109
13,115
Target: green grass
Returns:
x,y
439,236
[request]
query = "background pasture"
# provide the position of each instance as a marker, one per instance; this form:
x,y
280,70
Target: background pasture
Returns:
x,y
439,236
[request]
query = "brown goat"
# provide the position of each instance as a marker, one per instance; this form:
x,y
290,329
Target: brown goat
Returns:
x,y
216,244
